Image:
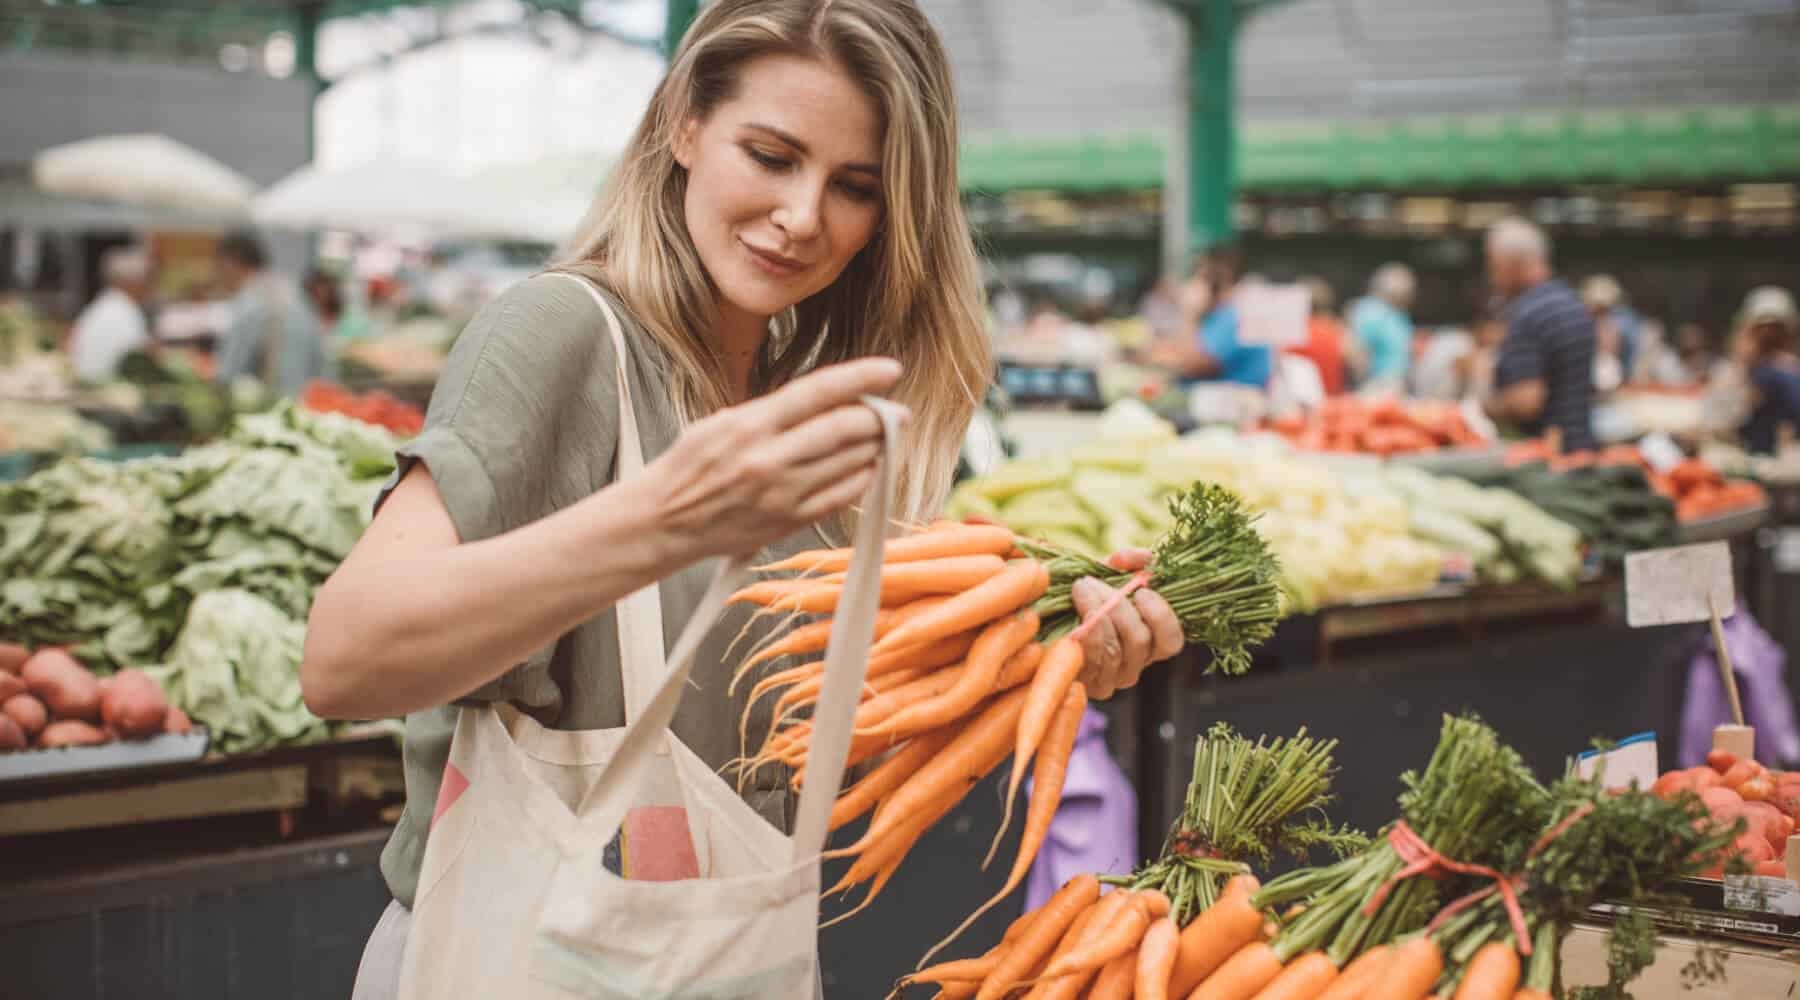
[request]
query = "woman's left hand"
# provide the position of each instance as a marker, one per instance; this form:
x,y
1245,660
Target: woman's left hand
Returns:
x,y
1140,631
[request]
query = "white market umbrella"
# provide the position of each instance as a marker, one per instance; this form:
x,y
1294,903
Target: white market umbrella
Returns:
x,y
545,198
144,171
370,197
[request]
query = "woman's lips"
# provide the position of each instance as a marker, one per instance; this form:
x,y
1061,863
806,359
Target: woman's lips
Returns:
x,y
774,263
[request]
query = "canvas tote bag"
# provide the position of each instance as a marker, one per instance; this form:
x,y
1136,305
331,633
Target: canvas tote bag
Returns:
x,y
519,893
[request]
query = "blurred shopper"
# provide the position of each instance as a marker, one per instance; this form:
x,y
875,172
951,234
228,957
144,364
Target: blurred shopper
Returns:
x,y
1544,372
114,324
1161,310
272,335
1764,362
1324,345
1382,327
1618,328
1217,352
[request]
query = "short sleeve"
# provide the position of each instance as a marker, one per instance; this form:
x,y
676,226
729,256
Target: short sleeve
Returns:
x,y
523,422
529,369
1219,336
1522,357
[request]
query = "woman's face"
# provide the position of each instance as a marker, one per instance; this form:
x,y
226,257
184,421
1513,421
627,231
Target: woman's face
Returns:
x,y
784,183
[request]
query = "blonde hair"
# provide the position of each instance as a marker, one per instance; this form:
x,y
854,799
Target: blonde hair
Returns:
x,y
914,293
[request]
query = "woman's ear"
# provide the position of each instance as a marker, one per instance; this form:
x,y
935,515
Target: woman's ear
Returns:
x,y
686,137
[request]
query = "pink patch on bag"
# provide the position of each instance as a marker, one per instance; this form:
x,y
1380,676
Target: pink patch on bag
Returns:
x,y
455,783
658,846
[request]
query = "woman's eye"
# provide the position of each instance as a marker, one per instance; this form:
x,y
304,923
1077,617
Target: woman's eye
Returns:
x,y
768,160
860,192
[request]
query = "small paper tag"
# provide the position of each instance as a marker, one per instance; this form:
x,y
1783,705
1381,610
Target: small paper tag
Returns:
x,y
1671,586
1272,315
1762,894
1661,451
1632,761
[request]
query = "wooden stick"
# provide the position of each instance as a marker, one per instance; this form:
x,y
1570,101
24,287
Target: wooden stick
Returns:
x,y
1718,631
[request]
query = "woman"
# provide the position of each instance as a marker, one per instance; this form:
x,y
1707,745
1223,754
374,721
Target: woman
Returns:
x,y
1763,354
782,236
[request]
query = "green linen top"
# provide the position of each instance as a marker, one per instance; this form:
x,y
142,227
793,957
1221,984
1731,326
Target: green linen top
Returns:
x,y
524,422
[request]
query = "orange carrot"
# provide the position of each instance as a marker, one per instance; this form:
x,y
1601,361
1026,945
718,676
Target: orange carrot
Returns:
x,y
1046,795
975,681
1036,943
1019,584
887,776
1113,936
950,540
1020,668
1493,973
1212,938
1048,774
1410,974
1156,904
1246,884
977,749
1156,959
813,637
1304,978
1071,985
1249,971
965,970
957,991
901,583
1116,980
1530,994
1062,663
1359,975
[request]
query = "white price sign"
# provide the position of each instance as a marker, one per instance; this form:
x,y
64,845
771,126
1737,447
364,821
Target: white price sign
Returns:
x,y
1631,762
1675,586
1272,315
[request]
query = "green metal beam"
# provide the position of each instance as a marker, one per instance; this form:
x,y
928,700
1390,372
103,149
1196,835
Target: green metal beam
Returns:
x,y
1212,123
681,17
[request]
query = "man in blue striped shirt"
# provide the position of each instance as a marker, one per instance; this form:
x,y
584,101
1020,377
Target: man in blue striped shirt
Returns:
x,y
1544,374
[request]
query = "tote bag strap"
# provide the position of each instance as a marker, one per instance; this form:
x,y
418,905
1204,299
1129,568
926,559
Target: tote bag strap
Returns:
x,y
846,655
639,615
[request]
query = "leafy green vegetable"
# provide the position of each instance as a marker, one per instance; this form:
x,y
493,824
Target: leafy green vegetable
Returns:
x,y
205,562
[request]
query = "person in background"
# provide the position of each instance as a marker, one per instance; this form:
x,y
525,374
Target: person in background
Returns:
x,y
1216,353
1324,345
272,335
1544,370
114,324
1382,328
1617,326
1763,352
326,300
1161,310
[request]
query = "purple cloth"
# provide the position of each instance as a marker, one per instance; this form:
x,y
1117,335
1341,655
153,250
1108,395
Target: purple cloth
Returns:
x,y
1095,827
1760,665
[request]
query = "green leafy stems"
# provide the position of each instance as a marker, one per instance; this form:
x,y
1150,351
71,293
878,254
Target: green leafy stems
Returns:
x,y
1215,571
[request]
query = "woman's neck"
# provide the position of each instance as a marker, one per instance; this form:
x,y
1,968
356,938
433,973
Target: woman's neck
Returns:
x,y
741,337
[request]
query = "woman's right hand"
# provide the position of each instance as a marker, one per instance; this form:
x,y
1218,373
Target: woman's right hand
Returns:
x,y
755,473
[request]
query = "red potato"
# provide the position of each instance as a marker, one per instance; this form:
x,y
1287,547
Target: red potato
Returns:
x,y
12,657
133,705
177,721
1767,822
1773,869
70,733
1739,773
1754,848
28,712
1720,760
10,687
1723,802
1705,777
1757,789
64,686
11,736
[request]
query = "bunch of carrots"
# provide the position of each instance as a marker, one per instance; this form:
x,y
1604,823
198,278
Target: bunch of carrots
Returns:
x,y
976,659
1153,933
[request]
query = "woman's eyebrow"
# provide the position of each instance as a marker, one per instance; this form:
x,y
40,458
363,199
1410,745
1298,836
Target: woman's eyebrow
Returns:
x,y
802,148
